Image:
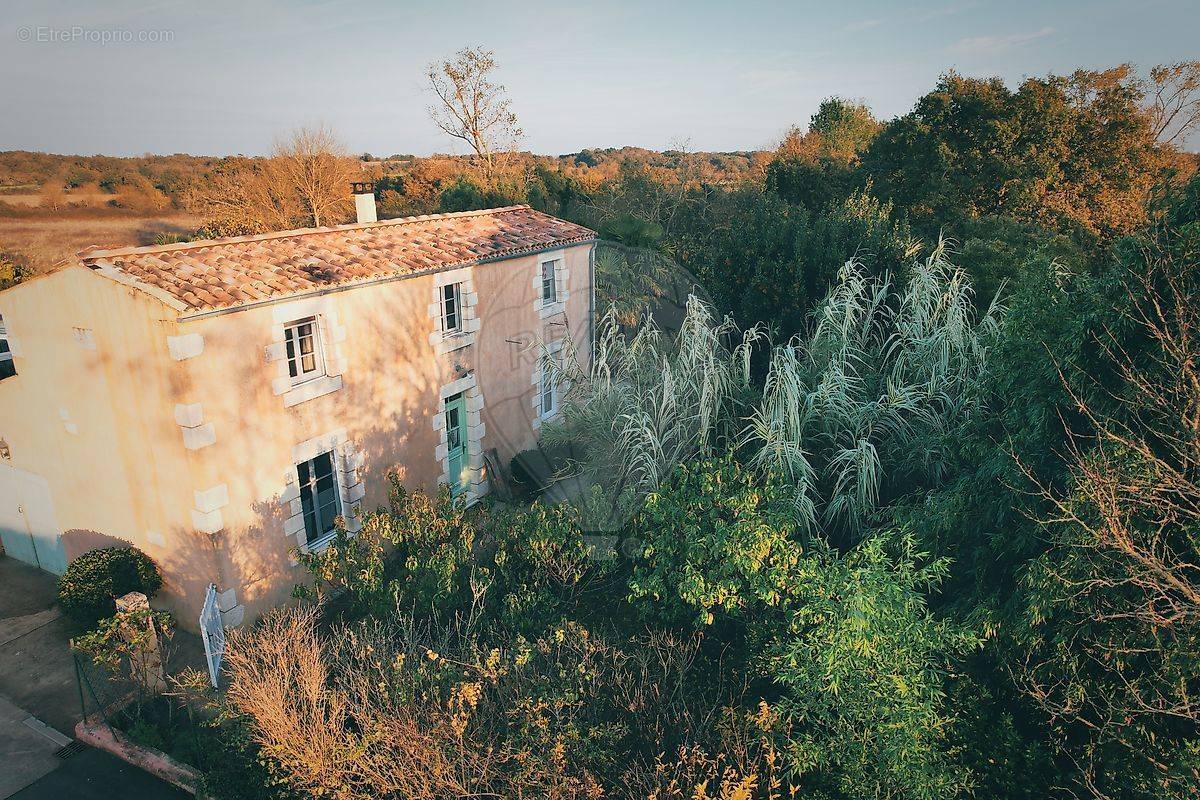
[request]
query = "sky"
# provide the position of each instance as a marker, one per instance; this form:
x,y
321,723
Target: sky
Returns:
x,y
217,77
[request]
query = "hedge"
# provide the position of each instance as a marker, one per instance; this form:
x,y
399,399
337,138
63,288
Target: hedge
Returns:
x,y
90,583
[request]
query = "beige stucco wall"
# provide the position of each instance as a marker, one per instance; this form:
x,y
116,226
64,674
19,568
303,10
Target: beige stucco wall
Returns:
x,y
126,474
387,404
90,411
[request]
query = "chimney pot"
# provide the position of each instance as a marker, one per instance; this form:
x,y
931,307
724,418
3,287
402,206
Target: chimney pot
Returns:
x,y
364,201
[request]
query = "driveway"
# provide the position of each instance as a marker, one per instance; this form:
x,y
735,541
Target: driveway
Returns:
x,y
27,754
36,669
39,701
95,775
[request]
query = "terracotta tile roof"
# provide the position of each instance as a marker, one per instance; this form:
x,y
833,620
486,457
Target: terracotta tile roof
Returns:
x,y
226,273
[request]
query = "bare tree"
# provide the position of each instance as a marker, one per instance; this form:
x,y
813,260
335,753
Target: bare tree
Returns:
x,y
1122,576
314,165
305,182
473,108
1174,93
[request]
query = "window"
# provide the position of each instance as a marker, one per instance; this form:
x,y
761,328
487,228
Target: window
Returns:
x,y
549,282
548,386
452,309
319,496
304,357
7,367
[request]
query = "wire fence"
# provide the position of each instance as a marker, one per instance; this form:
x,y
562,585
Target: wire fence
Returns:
x,y
170,720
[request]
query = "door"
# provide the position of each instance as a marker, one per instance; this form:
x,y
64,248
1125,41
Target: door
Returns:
x,y
456,444
212,632
28,526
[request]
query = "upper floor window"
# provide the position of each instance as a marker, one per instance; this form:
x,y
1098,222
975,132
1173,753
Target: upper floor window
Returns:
x,y
7,367
304,357
549,282
452,309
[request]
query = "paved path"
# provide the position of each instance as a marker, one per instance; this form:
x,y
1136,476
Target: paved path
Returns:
x,y
27,754
95,775
36,669
39,703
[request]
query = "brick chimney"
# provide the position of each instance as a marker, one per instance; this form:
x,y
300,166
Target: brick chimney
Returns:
x,y
364,201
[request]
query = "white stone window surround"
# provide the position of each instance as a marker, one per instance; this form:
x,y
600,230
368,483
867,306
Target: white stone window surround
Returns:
x,y
197,433
331,338
554,349
233,613
561,282
448,341
206,515
476,429
294,334
185,346
347,463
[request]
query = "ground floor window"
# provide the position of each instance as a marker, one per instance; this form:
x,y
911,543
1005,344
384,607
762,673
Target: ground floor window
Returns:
x,y
319,496
7,368
548,384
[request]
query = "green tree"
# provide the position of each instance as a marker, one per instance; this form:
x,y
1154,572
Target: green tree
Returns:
x,y
716,538
462,195
864,665
743,246
846,128
1108,639
1073,153
817,169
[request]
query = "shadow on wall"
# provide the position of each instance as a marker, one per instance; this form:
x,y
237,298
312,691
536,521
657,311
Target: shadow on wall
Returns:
x,y
186,563
183,563
387,406
78,541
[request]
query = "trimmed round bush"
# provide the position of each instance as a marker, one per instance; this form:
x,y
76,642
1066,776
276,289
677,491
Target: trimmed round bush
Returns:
x,y
87,589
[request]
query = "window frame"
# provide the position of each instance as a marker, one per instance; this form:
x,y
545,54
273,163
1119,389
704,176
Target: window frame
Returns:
x,y
549,388
450,299
553,265
294,359
6,354
311,487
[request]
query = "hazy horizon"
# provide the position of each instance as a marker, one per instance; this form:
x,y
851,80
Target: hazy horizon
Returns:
x,y
128,78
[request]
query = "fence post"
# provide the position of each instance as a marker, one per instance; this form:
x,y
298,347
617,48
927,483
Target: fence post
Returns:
x,y
79,685
147,666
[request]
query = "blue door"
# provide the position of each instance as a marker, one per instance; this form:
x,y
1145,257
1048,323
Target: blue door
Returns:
x,y
456,445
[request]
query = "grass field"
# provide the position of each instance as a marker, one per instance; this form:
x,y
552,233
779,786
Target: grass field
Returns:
x,y
45,240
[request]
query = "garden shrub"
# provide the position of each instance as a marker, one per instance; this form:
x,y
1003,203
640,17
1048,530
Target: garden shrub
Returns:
x,y
541,564
426,554
717,537
415,555
864,667
134,638
90,582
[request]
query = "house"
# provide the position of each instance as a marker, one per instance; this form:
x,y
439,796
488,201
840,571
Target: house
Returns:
x,y
219,403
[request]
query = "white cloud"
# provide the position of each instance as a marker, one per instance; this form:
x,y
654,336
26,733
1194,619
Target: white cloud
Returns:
x,y
995,45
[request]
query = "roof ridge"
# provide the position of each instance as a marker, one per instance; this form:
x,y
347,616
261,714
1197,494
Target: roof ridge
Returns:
x,y
94,252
